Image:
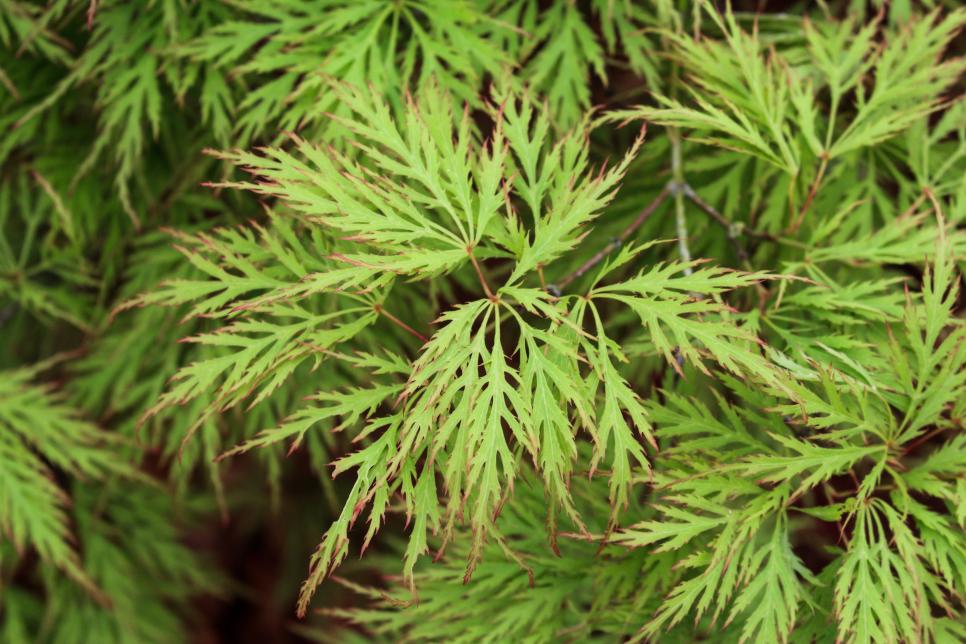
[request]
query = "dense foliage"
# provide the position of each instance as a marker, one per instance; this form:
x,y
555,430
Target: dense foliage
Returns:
x,y
618,320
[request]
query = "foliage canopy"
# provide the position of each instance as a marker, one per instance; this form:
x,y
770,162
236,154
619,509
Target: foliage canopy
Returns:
x,y
617,319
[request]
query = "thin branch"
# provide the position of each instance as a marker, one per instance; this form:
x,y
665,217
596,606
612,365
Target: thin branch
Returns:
x,y
923,439
8,83
645,214
812,191
402,325
479,274
733,230
938,210
619,240
91,12
736,228
681,222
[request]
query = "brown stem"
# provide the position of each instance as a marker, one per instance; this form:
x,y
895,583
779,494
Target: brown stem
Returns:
x,y
812,191
938,209
620,239
91,12
922,439
721,219
645,214
479,274
402,325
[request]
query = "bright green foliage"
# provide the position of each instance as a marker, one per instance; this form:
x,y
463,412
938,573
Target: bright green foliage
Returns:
x,y
474,404
38,432
693,369
133,567
142,571
574,588
737,529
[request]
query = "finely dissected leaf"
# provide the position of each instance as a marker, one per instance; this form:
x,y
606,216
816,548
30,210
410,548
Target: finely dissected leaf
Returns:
x,y
38,433
874,590
669,308
817,462
567,54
